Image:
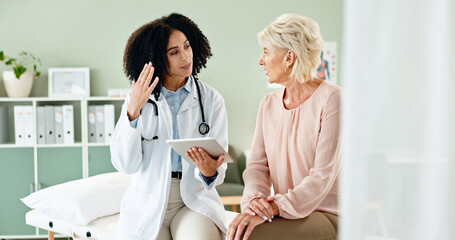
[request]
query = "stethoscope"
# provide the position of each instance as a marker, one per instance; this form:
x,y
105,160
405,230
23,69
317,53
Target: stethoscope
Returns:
x,y
204,128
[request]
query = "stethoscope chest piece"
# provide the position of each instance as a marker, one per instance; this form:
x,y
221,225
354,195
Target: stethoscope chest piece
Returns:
x,y
204,128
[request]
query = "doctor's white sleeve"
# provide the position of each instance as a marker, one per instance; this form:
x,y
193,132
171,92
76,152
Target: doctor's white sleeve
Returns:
x,y
126,147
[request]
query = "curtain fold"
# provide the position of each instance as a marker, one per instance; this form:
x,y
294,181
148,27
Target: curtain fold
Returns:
x,y
397,180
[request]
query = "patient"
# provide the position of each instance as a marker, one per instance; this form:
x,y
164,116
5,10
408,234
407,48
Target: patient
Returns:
x,y
296,142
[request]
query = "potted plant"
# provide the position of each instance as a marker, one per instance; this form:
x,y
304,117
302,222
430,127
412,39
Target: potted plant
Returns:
x,y
19,82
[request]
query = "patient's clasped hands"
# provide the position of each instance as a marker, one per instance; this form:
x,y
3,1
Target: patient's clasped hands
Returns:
x,y
259,210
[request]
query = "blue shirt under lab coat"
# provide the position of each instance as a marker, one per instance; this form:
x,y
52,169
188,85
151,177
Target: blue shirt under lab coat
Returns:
x,y
175,100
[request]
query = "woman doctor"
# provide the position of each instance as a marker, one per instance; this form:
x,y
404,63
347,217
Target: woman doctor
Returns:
x,y
169,198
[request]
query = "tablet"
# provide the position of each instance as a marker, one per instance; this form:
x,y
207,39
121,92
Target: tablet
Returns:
x,y
210,145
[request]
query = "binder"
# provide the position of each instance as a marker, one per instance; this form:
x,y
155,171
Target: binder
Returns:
x,y
49,116
99,123
58,124
4,127
29,135
40,125
68,124
91,124
109,119
18,125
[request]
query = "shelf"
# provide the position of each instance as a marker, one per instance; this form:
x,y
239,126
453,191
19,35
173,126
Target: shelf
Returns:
x,y
59,145
59,99
31,236
98,144
13,145
106,99
5,99
44,99
47,99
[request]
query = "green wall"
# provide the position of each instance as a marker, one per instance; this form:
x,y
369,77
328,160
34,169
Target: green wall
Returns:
x,y
93,33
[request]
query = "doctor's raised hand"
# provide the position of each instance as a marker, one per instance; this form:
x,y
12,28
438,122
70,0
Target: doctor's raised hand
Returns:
x,y
141,90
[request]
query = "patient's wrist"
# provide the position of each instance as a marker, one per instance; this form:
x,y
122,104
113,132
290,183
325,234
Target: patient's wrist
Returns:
x,y
276,210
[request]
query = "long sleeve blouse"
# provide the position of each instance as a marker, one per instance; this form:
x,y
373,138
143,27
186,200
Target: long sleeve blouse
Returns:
x,y
297,152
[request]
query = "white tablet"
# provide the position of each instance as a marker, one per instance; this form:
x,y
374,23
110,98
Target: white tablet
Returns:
x,y
210,145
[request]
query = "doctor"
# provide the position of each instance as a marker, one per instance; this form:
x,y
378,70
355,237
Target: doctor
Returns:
x,y
169,198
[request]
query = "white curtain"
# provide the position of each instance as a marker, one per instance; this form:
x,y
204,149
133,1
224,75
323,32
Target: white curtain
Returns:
x,y
398,174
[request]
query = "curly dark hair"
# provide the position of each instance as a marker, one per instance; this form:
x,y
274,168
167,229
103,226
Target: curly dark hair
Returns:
x,y
149,43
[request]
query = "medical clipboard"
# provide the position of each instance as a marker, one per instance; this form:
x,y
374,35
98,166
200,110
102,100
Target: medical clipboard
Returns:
x,y
210,145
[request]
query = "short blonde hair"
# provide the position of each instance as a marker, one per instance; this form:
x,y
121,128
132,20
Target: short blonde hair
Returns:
x,y
299,34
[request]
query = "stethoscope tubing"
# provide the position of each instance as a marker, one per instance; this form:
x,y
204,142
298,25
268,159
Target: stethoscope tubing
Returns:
x,y
204,128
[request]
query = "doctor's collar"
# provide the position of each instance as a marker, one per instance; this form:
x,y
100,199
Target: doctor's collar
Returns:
x,y
188,86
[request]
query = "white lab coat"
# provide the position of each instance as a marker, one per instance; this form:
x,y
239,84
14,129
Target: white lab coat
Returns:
x,y
144,203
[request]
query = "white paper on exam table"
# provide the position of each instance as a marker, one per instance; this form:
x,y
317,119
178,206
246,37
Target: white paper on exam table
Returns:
x,y
210,145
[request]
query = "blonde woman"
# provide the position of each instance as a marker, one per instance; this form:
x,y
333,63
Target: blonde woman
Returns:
x,y
296,142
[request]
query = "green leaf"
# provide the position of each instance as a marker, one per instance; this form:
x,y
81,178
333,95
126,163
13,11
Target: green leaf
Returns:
x,y
17,73
22,69
2,56
19,70
23,53
10,61
37,74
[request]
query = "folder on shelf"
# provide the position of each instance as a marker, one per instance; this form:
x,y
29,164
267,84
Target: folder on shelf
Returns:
x,y
4,127
29,135
109,121
58,124
100,124
91,124
40,125
50,127
68,124
18,125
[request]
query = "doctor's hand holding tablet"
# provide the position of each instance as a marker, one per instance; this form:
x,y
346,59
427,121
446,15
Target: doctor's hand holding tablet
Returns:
x,y
206,153
206,164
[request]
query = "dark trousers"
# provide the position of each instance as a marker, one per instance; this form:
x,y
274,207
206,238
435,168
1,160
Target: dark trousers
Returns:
x,y
317,226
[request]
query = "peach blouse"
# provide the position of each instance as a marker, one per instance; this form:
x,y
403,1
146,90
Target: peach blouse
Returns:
x,y
298,152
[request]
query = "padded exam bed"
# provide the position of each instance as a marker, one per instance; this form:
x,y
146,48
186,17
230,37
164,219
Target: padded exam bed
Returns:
x,y
99,229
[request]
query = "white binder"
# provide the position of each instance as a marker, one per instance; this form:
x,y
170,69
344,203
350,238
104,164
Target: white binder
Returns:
x,y
100,124
18,125
29,135
91,123
68,124
58,124
40,125
50,134
109,121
